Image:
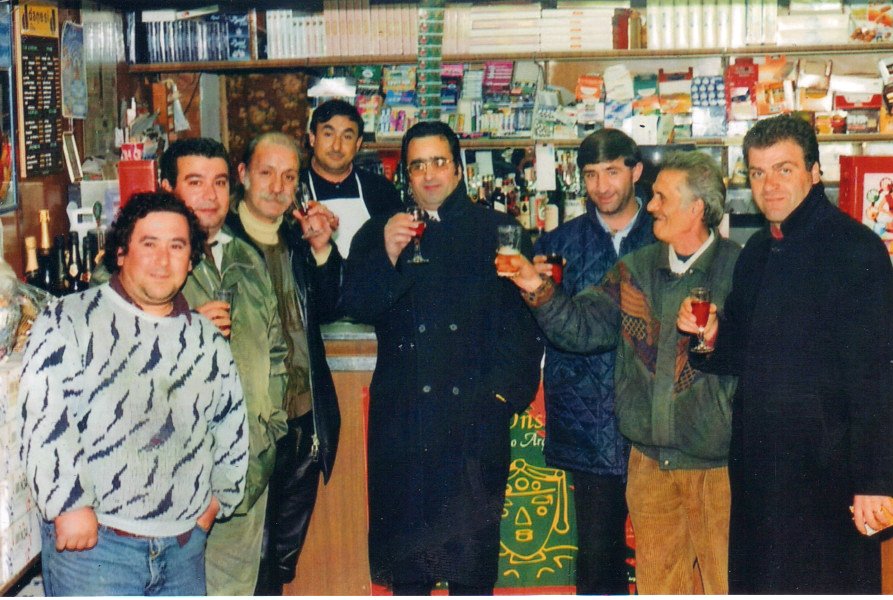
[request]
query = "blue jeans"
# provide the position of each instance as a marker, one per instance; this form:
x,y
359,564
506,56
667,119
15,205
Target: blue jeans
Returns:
x,y
125,566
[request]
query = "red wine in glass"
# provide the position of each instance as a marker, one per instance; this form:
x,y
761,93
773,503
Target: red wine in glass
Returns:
x,y
700,307
420,218
701,310
557,262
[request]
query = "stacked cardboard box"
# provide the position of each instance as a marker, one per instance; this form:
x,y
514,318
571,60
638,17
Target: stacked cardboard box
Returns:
x,y
19,533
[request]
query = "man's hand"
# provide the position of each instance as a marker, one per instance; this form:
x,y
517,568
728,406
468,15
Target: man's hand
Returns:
x,y
398,233
217,312
318,224
524,274
76,529
686,322
206,519
874,511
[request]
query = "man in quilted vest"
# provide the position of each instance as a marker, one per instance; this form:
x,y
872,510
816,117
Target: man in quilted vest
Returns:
x,y
581,430
677,418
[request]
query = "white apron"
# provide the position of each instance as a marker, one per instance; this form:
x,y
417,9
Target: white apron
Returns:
x,y
352,213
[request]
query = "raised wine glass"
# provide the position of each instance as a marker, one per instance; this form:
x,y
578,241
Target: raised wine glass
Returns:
x,y
421,221
700,307
302,200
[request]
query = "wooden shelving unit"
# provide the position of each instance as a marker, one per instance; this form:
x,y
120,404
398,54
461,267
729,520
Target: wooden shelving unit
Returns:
x,y
606,55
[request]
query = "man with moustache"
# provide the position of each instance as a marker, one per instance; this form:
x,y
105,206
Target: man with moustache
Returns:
x,y
678,419
458,356
807,328
197,172
336,136
581,429
305,268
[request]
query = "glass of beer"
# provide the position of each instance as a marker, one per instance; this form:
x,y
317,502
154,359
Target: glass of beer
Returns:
x,y
700,307
508,247
557,262
421,221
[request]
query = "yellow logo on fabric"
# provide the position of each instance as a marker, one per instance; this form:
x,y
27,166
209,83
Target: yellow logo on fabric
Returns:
x,y
39,20
536,506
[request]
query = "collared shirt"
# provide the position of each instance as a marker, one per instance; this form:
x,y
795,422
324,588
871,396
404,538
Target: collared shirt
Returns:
x,y
179,306
617,237
222,238
679,266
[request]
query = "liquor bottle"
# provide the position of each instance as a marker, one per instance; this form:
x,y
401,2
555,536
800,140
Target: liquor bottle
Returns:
x,y
44,253
90,243
59,286
32,269
483,198
73,264
45,248
497,200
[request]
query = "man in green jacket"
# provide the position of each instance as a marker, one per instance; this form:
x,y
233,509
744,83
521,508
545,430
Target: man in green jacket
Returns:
x,y
197,172
678,419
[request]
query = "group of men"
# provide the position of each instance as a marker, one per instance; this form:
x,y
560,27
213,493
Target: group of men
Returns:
x,y
759,467
165,460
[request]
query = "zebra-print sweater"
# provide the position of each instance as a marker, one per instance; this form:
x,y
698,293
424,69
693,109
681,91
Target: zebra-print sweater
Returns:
x,y
140,417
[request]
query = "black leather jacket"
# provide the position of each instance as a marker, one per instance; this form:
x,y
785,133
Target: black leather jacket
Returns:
x,y
318,290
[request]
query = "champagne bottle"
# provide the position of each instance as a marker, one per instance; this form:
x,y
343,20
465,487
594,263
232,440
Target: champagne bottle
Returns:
x,y
59,286
45,248
89,259
45,253
32,269
73,265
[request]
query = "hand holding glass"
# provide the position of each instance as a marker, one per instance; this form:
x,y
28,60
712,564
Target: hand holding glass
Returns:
x,y
700,308
302,200
420,217
508,247
557,263
224,295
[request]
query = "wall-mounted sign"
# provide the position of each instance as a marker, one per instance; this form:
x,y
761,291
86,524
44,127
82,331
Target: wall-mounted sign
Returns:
x,y
36,33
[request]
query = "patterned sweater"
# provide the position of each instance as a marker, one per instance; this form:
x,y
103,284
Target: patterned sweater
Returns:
x,y
140,417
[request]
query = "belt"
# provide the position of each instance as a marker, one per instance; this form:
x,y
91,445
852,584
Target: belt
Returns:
x,y
182,539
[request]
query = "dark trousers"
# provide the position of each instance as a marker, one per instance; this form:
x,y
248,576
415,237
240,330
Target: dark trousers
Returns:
x,y
600,502
292,497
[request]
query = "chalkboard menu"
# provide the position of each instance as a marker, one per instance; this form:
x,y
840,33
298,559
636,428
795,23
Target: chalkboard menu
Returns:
x,y
39,89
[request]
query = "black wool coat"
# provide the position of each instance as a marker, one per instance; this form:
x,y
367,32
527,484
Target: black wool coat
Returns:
x,y
458,355
807,327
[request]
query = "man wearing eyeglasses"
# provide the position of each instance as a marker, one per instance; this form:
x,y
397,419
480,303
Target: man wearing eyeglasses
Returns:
x,y
458,358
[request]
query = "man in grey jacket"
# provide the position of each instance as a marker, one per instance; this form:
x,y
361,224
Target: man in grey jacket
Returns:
x,y
677,419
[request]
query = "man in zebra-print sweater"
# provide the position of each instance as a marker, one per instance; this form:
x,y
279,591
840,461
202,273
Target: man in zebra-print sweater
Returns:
x,y
134,434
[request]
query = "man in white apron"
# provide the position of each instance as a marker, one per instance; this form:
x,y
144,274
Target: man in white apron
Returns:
x,y
336,135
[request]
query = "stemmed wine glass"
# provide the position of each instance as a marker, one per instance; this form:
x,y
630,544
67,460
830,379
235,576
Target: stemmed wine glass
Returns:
x,y
301,200
700,307
421,221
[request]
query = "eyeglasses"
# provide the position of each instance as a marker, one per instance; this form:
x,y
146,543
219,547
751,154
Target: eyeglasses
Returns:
x,y
439,163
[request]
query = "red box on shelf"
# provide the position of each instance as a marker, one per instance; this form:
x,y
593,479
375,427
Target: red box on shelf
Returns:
x,y
856,101
866,193
136,176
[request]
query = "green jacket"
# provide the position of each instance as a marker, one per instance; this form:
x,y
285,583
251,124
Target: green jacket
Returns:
x,y
258,348
677,416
